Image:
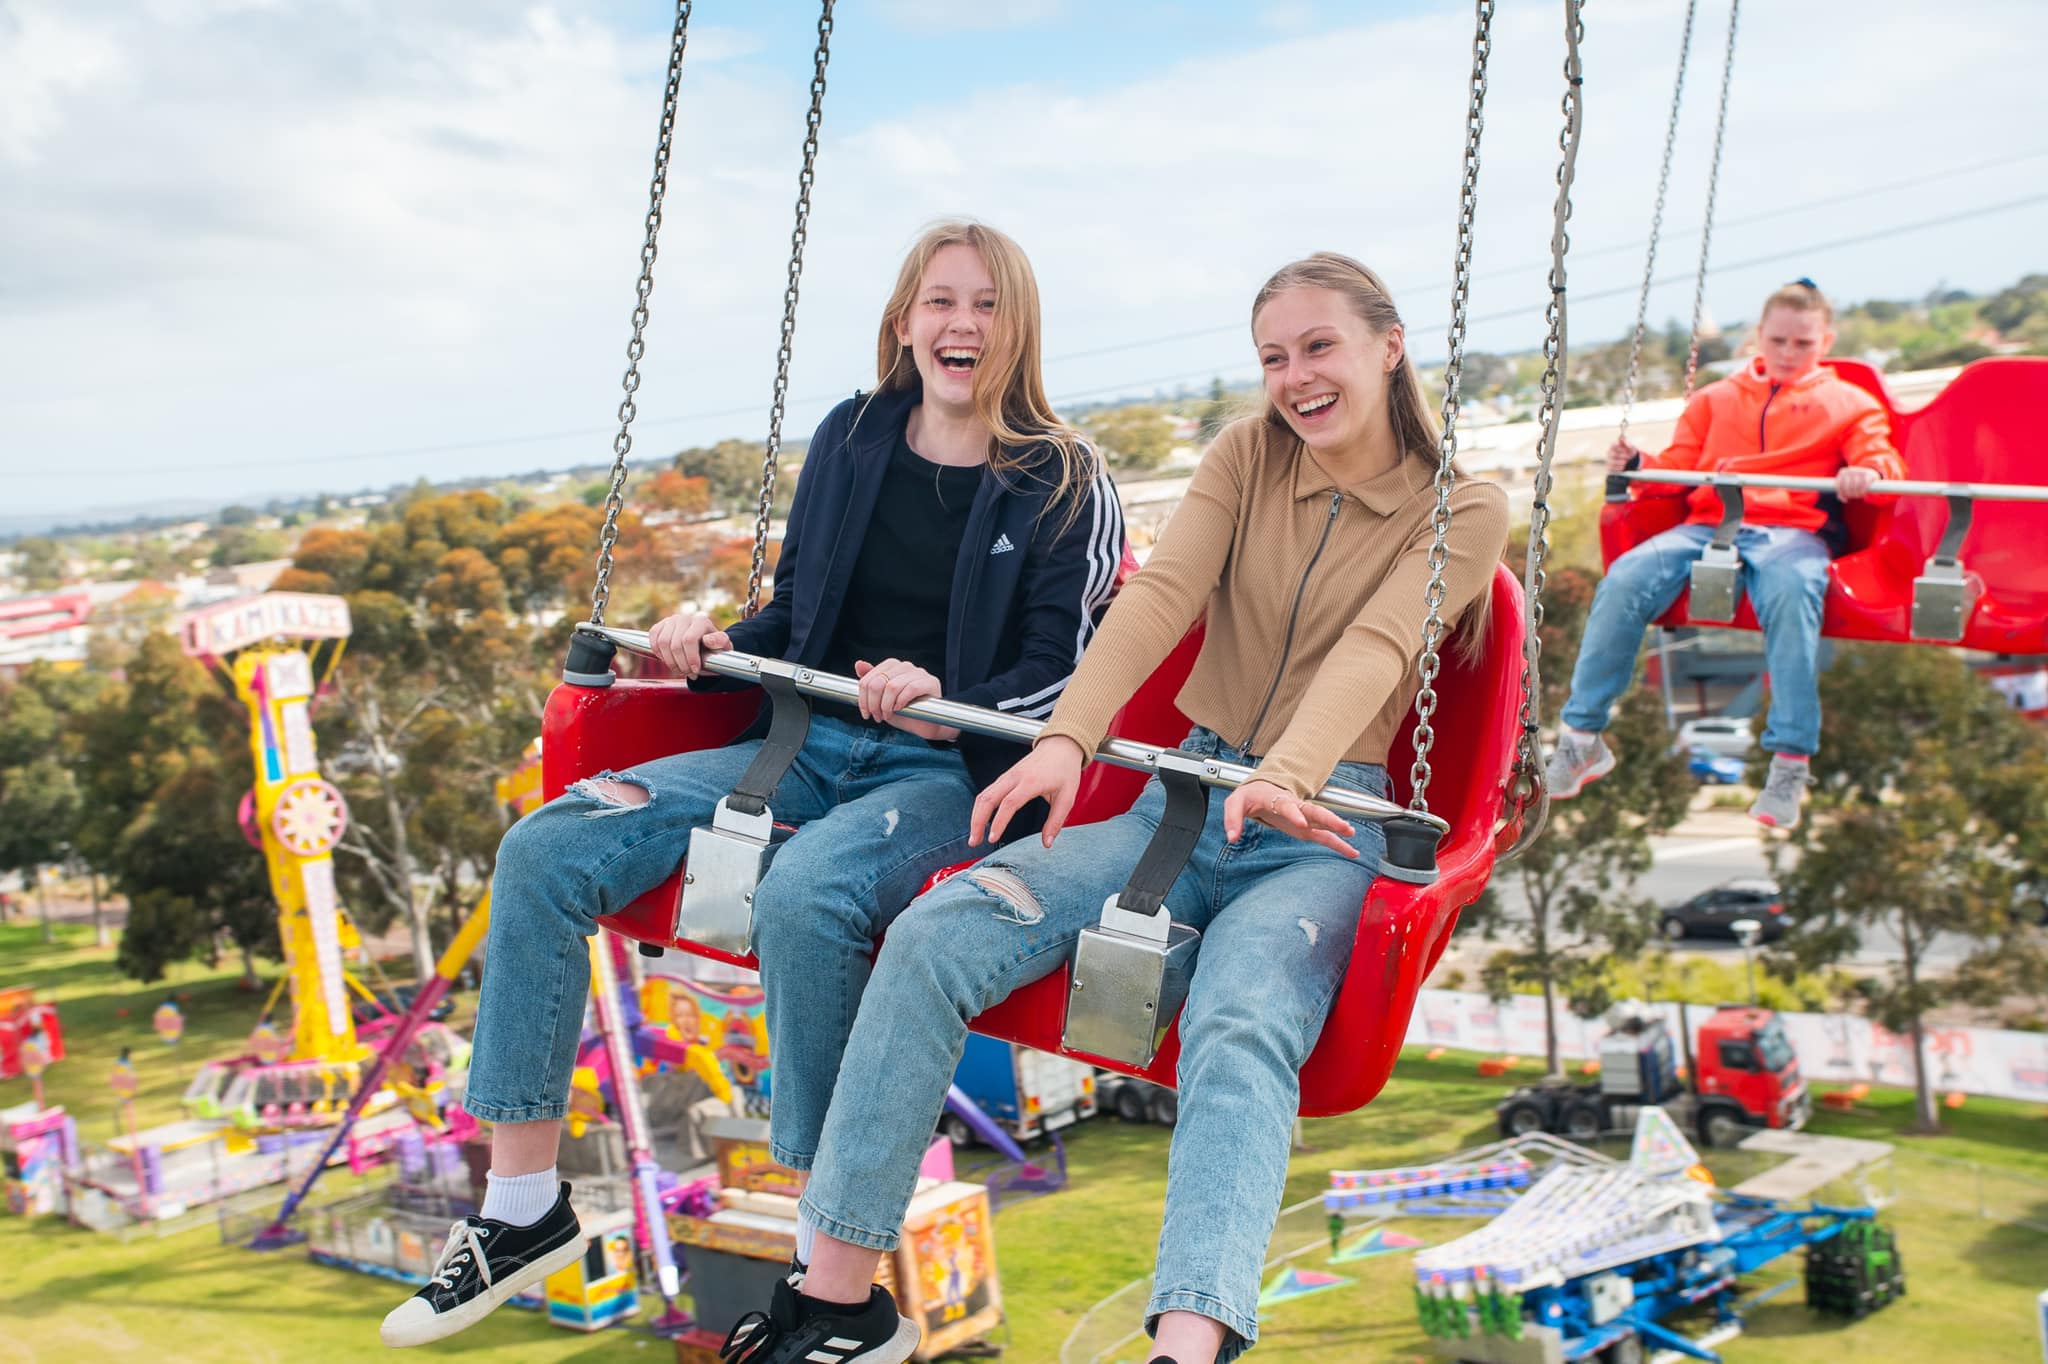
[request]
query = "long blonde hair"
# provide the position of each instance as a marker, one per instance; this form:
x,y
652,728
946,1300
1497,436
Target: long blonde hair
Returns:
x,y
1009,389
1415,426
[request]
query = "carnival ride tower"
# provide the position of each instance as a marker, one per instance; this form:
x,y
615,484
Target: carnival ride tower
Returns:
x,y
277,651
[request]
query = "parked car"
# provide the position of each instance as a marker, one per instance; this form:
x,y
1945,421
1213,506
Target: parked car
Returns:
x,y
1711,913
1713,769
1728,736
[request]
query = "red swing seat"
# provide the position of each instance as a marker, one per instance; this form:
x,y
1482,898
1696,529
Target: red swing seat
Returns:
x,y
1983,428
1402,930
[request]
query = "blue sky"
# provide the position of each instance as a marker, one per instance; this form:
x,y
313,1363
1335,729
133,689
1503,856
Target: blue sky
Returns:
x,y
250,247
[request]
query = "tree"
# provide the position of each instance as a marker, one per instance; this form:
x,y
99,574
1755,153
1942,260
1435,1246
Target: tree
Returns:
x,y
245,544
1214,413
39,808
42,562
1926,818
162,768
731,468
456,605
184,857
43,813
1577,879
672,491
1137,438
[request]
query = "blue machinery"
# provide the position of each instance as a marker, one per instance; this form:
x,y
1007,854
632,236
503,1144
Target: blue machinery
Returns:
x,y
1607,1262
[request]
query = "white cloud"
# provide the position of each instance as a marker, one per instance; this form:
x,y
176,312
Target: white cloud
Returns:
x,y
44,58
236,232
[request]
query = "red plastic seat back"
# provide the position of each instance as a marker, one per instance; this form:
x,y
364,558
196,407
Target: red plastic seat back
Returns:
x,y
1986,427
1402,928
1983,428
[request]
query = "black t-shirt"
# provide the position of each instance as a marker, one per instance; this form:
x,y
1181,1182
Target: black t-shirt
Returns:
x,y
902,585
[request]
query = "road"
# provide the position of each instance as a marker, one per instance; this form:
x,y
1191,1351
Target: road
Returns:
x,y
1710,847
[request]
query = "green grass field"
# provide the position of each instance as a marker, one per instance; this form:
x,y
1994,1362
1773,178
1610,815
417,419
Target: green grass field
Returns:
x,y
71,1295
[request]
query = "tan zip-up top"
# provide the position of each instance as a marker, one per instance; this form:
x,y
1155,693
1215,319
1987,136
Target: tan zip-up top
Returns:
x,y
1315,595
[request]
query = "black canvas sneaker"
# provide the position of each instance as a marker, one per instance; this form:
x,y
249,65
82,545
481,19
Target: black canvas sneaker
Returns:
x,y
796,1328
484,1262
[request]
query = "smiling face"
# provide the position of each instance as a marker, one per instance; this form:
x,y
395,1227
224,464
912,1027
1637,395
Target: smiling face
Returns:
x,y
947,324
1792,341
1326,370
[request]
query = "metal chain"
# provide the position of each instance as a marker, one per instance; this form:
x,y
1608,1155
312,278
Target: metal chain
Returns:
x,y
1447,438
796,270
1635,345
622,444
1699,287
1527,785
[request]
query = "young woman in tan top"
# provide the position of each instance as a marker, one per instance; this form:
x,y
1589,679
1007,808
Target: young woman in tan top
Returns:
x,y
1305,536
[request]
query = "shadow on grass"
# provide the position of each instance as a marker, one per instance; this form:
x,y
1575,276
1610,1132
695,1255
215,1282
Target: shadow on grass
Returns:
x,y
2007,1252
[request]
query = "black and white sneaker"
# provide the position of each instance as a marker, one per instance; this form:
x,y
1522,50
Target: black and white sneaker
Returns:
x,y
484,1262
800,1330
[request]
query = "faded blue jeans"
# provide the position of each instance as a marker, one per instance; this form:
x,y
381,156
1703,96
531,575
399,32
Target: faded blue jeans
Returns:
x,y
1784,575
1278,917
877,812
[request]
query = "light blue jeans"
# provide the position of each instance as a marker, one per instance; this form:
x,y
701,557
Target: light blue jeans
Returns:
x,y
1785,576
1278,917
877,812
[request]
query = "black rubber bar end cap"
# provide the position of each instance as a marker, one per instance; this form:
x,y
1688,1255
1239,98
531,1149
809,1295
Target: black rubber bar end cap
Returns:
x,y
590,661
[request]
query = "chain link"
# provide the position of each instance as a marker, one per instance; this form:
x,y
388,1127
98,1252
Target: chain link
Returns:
x,y
1699,286
1526,793
1447,437
812,122
622,444
1635,345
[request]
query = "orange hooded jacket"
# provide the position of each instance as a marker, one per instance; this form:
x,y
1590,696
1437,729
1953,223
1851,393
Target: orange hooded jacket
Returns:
x,y
1746,424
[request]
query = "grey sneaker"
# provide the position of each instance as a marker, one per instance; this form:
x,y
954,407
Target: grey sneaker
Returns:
x,y
1575,761
1784,789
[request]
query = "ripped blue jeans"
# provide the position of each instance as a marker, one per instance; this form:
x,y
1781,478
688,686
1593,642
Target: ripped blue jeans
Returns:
x,y
877,812
1277,916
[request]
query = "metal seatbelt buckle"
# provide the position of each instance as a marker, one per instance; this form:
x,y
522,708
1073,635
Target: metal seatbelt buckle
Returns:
x,y
1944,594
1130,978
1716,584
1943,597
724,867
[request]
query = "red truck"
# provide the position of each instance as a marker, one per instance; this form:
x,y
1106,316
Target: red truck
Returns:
x,y
1743,1075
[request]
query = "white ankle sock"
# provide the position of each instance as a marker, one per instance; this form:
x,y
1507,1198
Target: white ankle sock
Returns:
x,y
806,1237
520,1200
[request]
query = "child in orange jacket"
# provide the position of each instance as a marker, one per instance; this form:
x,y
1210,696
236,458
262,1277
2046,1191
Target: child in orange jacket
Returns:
x,y
1783,413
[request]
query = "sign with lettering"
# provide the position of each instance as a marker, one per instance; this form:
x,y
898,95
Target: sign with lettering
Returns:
x,y
215,631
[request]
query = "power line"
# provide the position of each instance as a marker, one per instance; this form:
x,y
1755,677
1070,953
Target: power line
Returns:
x,y
1127,385
1583,254
1537,309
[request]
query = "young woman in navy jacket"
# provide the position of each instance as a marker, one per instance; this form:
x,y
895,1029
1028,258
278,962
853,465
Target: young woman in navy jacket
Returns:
x,y
950,536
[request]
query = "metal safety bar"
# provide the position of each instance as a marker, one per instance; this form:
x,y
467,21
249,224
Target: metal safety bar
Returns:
x,y
590,657
1944,593
1886,487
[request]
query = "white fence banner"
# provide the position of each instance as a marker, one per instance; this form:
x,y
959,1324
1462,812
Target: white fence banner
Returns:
x,y
1836,1048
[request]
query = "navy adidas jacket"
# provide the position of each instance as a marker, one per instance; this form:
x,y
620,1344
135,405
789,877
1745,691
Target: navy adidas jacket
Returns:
x,y
1028,587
